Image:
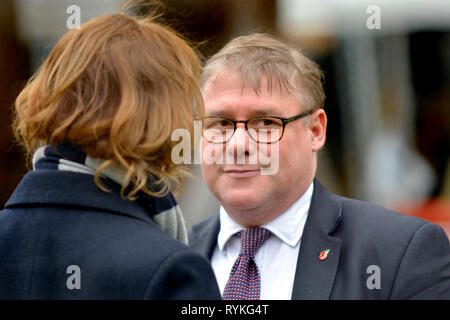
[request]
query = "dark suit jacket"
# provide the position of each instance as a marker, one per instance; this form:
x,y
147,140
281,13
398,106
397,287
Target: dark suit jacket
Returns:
x,y
410,256
56,222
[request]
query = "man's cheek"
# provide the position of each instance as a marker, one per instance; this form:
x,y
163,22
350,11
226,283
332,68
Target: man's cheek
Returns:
x,y
210,174
269,158
212,153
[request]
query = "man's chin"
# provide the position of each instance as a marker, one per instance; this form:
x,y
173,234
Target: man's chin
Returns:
x,y
242,201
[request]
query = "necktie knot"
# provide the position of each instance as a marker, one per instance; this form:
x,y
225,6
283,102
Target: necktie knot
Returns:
x,y
252,239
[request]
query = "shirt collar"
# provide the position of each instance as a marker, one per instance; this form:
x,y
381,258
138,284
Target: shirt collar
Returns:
x,y
288,226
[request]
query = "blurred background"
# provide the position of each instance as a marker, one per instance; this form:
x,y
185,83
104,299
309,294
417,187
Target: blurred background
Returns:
x,y
387,71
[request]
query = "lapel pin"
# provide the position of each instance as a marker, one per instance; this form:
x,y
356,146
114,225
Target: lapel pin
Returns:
x,y
324,254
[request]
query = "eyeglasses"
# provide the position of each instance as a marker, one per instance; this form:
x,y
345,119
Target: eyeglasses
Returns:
x,y
262,129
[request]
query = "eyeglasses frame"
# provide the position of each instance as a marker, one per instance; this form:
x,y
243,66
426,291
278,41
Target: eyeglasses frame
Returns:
x,y
245,122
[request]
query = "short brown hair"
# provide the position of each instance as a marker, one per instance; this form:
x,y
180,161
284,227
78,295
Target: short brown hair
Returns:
x,y
256,55
117,87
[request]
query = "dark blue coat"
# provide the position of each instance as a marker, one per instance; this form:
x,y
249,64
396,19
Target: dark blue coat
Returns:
x,y
61,237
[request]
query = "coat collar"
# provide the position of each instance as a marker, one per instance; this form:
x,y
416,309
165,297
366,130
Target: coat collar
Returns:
x,y
203,236
63,188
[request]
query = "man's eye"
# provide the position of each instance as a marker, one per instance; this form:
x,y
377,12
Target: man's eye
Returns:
x,y
268,122
265,122
218,123
223,123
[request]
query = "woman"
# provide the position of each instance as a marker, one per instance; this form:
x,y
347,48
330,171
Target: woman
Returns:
x,y
95,218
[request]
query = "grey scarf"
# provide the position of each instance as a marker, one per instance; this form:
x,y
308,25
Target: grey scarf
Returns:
x,y
170,221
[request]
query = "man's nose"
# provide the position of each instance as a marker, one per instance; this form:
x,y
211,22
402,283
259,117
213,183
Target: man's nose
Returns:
x,y
239,146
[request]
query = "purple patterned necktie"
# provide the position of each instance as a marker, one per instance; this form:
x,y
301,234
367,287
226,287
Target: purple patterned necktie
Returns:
x,y
244,282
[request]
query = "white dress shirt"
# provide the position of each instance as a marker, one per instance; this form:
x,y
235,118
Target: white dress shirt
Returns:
x,y
276,258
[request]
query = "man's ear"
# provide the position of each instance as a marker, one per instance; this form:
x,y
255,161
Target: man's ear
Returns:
x,y
318,129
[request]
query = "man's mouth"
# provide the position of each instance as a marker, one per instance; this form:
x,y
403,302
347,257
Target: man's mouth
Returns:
x,y
242,172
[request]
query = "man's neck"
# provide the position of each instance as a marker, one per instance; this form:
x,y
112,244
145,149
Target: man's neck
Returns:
x,y
253,217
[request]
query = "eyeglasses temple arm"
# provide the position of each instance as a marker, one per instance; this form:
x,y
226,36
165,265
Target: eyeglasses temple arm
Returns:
x,y
301,115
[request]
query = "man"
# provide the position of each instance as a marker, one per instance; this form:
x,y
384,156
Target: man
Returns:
x,y
283,235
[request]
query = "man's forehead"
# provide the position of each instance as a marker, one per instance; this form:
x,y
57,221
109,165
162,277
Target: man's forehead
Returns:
x,y
231,110
226,93
220,99
251,84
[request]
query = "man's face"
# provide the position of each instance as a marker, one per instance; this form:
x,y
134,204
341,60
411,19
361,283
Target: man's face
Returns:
x,y
250,197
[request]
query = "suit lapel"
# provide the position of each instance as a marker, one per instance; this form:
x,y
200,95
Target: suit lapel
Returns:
x,y
314,277
203,237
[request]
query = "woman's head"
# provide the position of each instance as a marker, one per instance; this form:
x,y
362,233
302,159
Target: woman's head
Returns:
x,y
117,87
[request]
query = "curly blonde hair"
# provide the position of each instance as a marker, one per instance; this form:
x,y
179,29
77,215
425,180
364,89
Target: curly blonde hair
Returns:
x,y
117,87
